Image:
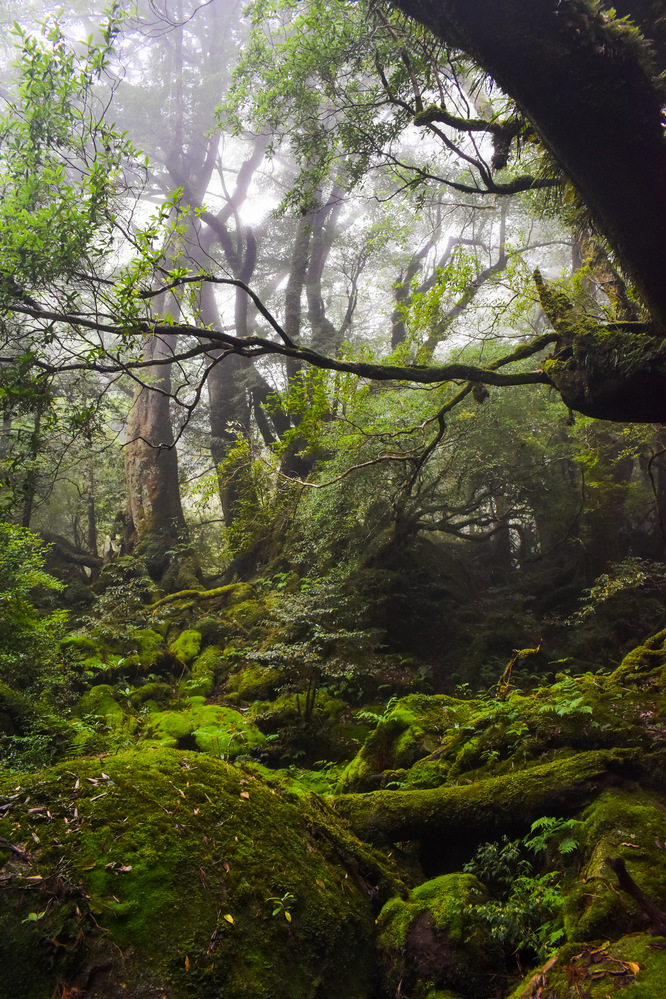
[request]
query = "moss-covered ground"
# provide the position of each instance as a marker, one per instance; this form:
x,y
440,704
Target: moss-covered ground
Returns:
x,y
206,800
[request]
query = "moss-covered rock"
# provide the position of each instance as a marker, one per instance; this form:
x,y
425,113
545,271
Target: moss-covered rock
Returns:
x,y
214,630
412,729
437,740
157,873
255,682
100,702
633,967
149,643
434,939
186,646
151,696
617,824
208,669
219,731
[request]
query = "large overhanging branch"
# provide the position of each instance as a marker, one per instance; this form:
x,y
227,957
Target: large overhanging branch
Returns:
x,y
589,86
209,341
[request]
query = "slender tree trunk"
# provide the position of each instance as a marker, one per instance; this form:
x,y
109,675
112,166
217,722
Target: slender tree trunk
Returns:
x,y
151,467
90,504
30,482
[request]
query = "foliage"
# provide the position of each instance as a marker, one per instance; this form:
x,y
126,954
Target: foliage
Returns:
x,y
28,636
525,914
631,574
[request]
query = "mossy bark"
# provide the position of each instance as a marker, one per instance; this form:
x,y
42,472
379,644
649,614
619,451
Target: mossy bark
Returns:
x,y
483,809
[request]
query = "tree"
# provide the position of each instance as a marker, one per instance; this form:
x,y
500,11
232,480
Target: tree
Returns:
x,y
88,311
590,81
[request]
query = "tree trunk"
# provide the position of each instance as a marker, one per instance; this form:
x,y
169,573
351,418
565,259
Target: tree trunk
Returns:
x,y
151,467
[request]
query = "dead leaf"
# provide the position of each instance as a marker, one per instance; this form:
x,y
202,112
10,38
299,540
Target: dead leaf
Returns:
x,y
118,868
244,794
187,963
229,918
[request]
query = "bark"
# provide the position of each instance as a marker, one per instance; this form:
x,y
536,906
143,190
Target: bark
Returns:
x,y
325,336
30,482
589,88
151,466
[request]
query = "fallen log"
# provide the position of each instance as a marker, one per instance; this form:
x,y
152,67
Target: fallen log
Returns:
x,y
484,808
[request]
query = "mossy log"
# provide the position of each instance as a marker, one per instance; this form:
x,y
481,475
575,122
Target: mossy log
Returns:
x,y
219,591
483,809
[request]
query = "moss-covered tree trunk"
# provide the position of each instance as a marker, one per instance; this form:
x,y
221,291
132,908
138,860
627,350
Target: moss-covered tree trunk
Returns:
x,y
482,809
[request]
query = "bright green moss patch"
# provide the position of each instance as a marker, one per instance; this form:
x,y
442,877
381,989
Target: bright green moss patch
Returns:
x,y
100,702
174,859
255,682
207,669
186,646
219,731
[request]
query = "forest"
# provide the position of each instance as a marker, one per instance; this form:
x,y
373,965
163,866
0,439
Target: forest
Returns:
x,y
333,499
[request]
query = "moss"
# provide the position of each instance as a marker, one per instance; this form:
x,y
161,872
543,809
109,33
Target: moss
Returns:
x,y
174,858
151,695
213,630
218,731
149,644
82,644
255,682
453,740
186,646
207,670
100,701
633,967
434,939
646,658
412,729
247,614
223,595
631,826
479,809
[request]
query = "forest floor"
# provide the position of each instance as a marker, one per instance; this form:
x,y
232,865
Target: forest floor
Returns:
x,y
219,794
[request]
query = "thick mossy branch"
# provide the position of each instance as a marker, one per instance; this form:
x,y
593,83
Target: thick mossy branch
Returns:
x,y
219,591
610,371
487,807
